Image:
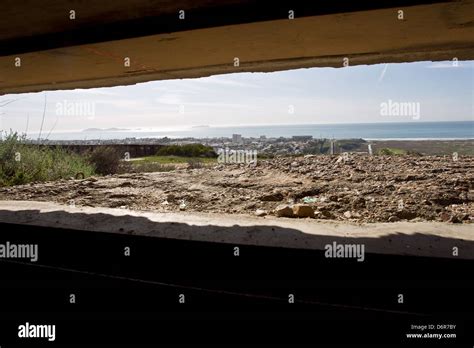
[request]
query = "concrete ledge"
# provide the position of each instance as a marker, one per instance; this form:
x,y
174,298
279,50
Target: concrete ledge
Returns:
x,y
432,239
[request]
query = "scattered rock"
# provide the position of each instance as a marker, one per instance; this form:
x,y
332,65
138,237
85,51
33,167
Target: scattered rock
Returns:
x,y
303,210
327,214
370,189
194,188
393,218
352,215
464,217
260,212
273,197
347,215
126,184
454,219
406,214
445,216
250,206
358,203
283,210
119,195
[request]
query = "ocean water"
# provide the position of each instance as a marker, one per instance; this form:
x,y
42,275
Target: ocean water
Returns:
x,y
406,130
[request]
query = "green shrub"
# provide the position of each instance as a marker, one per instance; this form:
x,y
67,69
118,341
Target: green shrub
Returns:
x,y
391,151
105,159
414,153
351,144
21,163
385,151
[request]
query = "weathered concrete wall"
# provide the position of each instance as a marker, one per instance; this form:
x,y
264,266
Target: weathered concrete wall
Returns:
x,y
431,239
440,31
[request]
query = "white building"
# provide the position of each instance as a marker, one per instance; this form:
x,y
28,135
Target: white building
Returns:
x,y
237,138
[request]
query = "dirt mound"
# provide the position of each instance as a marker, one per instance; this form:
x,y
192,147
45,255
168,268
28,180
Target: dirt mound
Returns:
x,y
356,187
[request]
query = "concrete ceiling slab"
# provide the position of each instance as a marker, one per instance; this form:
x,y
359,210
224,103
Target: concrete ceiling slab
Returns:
x,y
332,38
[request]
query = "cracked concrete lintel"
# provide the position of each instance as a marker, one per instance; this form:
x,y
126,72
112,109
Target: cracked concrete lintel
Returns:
x,y
429,32
405,238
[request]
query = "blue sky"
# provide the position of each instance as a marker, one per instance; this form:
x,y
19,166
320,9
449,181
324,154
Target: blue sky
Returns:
x,y
318,95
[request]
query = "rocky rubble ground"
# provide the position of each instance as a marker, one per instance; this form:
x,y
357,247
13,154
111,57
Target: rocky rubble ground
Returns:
x,y
358,188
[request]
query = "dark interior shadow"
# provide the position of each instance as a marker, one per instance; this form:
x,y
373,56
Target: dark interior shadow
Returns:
x,y
272,261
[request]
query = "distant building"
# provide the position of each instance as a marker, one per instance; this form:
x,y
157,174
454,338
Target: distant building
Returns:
x,y
302,137
237,138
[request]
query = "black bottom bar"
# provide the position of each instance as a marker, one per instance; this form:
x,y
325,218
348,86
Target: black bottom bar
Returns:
x,y
265,295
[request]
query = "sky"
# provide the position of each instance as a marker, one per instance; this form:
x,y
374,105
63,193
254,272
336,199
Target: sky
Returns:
x,y
443,91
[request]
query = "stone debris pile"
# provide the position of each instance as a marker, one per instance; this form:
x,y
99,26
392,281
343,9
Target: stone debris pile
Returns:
x,y
353,187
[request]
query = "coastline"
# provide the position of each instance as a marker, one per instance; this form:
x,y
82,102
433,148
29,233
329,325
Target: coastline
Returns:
x,y
453,130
